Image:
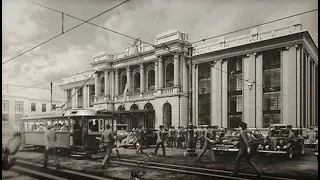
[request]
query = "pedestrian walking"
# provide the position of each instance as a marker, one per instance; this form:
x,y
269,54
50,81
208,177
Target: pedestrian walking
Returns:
x,y
244,151
178,135
195,137
160,141
201,137
170,137
50,138
184,137
208,144
140,138
174,137
106,141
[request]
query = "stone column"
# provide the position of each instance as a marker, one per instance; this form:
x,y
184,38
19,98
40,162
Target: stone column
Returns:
x,y
160,72
184,74
259,90
74,98
249,106
141,78
308,92
116,79
65,96
224,94
111,79
194,93
156,74
289,85
313,83
298,69
106,83
176,70
128,79
197,95
215,94
85,96
97,85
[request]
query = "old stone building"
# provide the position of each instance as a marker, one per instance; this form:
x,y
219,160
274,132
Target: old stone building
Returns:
x,y
264,77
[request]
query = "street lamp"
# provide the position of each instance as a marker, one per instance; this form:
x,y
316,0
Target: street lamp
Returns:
x,y
190,146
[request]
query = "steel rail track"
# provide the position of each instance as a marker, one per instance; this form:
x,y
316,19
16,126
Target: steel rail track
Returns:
x,y
194,170
50,172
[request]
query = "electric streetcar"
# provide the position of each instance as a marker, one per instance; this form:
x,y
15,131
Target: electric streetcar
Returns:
x,y
78,130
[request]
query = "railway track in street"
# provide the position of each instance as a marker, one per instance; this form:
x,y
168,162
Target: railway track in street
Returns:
x,y
205,172
51,173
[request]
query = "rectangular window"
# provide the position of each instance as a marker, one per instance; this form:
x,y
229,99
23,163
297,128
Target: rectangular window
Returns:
x,y
80,97
69,103
33,107
5,106
272,88
44,107
18,106
204,94
5,117
235,87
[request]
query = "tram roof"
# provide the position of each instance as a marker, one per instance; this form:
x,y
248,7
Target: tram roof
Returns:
x,y
69,113
134,111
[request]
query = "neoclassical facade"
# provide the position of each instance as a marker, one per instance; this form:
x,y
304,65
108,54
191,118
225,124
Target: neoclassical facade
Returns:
x,y
264,77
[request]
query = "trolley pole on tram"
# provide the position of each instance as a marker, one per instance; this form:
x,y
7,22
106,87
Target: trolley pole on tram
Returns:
x,y
190,145
51,96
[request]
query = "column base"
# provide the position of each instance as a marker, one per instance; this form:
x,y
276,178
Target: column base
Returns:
x,y
190,153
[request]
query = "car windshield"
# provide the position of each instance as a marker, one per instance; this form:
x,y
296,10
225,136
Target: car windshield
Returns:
x,y
280,133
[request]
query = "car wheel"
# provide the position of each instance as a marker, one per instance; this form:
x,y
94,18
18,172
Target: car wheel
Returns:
x,y
290,152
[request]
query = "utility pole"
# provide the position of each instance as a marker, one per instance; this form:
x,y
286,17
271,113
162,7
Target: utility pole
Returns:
x,y
190,146
51,95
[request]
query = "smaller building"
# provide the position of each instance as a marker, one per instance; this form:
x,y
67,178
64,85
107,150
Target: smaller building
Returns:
x,y
15,107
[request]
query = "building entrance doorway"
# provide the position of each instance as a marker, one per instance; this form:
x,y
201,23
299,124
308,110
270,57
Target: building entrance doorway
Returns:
x,y
167,115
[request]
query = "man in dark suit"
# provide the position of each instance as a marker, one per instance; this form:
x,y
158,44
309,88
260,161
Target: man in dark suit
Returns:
x,y
160,140
207,144
140,137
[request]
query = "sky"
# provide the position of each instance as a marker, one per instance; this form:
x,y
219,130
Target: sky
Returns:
x,y
25,25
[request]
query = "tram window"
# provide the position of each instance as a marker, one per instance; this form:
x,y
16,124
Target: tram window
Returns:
x,y
93,125
101,125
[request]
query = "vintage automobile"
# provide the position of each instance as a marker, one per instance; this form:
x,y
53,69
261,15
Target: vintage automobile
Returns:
x,y
131,140
229,142
311,137
283,139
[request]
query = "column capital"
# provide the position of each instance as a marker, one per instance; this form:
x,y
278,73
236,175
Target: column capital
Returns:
x,y
128,68
156,62
212,63
116,71
160,59
141,66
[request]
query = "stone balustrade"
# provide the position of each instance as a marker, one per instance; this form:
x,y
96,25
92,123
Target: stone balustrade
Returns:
x,y
168,90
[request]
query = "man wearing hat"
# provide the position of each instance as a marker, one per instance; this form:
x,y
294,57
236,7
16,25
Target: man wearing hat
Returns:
x,y
207,144
201,137
50,138
160,141
244,151
140,137
107,140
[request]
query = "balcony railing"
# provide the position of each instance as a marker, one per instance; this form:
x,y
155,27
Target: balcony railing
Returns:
x,y
147,94
168,90
134,96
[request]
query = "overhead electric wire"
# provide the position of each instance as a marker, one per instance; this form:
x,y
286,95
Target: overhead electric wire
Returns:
x,y
197,42
50,81
268,22
78,90
14,85
64,32
102,27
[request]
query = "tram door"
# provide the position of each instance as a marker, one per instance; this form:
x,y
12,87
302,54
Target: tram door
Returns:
x,y
79,129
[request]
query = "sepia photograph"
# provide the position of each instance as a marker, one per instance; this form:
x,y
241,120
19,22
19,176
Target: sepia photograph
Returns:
x,y
159,89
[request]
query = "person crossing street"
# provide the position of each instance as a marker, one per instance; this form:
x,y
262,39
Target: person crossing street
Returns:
x,y
207,145
140,137
161,140
50,139
106,141
244,151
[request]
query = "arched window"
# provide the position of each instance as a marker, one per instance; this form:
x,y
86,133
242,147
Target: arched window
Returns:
x,y
148,106
167,115
136,82
169,75
134,106
123,83
151,80
102,86
121,108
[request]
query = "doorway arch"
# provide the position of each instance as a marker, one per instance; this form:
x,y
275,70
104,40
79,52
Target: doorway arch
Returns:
x,y
167,115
